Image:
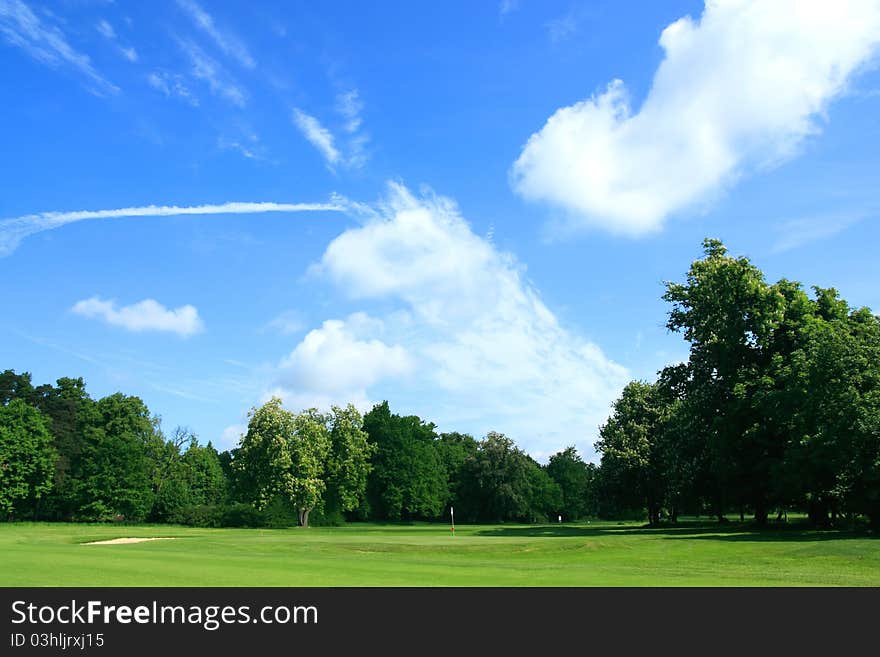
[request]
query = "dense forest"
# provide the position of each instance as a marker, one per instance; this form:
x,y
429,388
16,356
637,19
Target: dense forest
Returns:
x,y
777,409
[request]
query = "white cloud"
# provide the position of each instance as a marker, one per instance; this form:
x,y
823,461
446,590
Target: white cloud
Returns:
x,y
231,435
799,232
352,153
287,323
507,6
208,70
317,135
486,352
246,144
228,42
146,315
48,45
350,105
13,231
737,91
340,361
172,84
105,29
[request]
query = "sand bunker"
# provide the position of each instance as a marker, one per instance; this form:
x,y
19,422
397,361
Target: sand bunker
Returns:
x,y
123,541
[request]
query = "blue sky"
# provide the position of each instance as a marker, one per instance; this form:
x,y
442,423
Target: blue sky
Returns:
x,y
465,208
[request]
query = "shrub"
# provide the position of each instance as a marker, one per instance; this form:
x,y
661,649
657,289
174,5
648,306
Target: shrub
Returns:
x,y
198,515
241,515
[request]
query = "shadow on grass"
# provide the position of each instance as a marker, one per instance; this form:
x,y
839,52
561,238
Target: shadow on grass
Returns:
x,y
708,530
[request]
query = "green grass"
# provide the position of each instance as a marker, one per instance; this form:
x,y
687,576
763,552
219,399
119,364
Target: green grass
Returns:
x,y
597,554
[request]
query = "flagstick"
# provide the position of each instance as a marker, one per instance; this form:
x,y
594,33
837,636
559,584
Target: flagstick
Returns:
x,y
452,515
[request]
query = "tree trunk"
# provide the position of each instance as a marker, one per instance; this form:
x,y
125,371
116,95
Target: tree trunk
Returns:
x,y
304,517
818,512
761,515
719,509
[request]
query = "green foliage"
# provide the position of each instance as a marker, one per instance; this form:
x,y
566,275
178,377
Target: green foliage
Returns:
x,y
632,466
204,474
454,449
348,464
500,483
198,515
408,480
16,386
117,470
309,448
239,514
777,407
27,458
576,484
287,455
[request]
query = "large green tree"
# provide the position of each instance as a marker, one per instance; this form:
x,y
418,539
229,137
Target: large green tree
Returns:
x,y
27,458
206,480
348,464
455,449
16,386
728,314
833,385
284,455
117,462
500,483
576,480
632,464
69,408
408,479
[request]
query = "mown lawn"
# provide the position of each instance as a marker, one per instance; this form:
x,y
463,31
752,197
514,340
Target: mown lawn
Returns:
x,y
596,554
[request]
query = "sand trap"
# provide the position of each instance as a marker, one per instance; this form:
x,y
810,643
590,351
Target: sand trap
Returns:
x,y
124,541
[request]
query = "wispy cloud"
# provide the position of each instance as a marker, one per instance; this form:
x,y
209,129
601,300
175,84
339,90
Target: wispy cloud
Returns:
x,y
507,6
317,135
47,44
350,151
105,29
349,105
287,323
172,85
13,231
180,392
247,146
560,29
228,42
799,232
210,71
146,315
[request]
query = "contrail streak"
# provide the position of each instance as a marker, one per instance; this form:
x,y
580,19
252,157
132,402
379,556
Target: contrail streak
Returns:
x,y
13,231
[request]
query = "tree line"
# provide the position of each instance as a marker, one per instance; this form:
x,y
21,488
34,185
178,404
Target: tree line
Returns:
x,y
67,457
776,409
